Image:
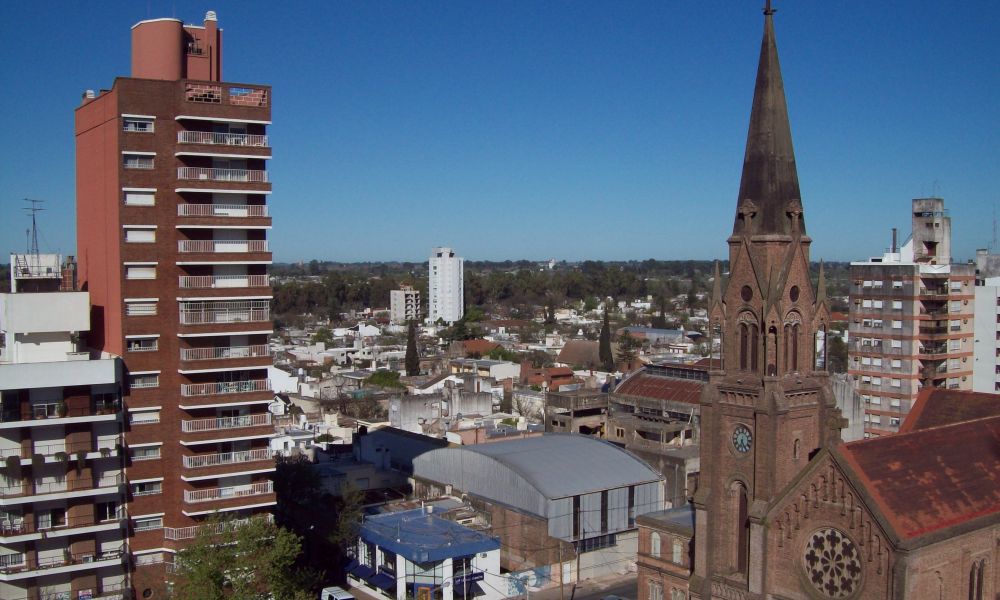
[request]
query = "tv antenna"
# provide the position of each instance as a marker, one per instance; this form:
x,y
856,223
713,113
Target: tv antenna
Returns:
x,y
32,234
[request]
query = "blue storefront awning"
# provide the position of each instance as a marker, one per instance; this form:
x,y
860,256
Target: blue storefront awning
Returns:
x,y
383,582
362,571
469,589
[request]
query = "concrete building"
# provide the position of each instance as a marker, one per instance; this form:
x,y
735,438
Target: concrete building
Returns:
x,y
446,286
417,554
986,343
404,305
172,223
557,499
911,321
63,524
583,411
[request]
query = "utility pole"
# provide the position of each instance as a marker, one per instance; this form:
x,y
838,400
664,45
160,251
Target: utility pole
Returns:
x,y
562,595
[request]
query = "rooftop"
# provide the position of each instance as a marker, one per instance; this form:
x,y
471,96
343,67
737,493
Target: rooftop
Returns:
x,y
680,520
421,537
936,407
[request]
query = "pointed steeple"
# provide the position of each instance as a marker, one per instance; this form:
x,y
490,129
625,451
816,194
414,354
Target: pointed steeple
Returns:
x,y
769,201
821,286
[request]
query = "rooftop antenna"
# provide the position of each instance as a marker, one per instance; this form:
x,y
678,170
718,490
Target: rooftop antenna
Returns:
x,y
33,210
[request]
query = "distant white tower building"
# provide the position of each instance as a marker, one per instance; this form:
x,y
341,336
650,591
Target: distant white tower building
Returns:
x,y
446,288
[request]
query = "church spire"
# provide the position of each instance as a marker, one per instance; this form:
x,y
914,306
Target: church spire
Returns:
x,y
769,201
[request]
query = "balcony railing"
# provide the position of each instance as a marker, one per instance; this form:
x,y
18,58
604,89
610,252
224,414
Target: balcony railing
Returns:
x,y
222,246
199,461
222,281
28,487
231,175
53,411
70,450
225,387
187,533
221,423
221,139
199,313
225,352
227,493
221,210
16,525
19,562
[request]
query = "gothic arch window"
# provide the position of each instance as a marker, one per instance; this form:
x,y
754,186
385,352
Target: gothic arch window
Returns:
x,y
749,334
793,328
654,544
740,511
976,579
797,449
772,351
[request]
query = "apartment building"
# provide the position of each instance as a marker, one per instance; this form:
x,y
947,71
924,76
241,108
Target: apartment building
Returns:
x,y
172,223
404,305
986,369
446,286
911,321
62,524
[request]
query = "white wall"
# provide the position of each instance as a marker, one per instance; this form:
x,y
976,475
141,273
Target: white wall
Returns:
x,y
984,375
445,288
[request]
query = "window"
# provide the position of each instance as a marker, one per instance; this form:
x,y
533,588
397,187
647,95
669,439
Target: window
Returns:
x,y
897,305
148,523
595,543
865,360
894,421
150,344
106,511
143,381
896,383
146,417
147,488
897,364
897,343
876,400
866,304
654,544
894,403
137,161
137,125
876,381
153,558
897,324
877,362
655,590
877,283
877,323
897,285
140,198
140,235
955,306
140,272
876,304
976,579
954,344
955,325
49,519
140,309
866,284
145,453
677,556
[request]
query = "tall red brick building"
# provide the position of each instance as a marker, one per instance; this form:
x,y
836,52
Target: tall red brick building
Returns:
x,y
785,509
172,223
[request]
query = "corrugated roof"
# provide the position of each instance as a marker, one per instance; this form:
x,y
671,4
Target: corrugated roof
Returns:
x,y
567,464
931,479
661,388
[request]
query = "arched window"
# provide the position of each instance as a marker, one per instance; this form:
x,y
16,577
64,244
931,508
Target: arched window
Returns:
x,y
795,347
796,449
976,580
754,346
744,345
739,511
677,556
654,544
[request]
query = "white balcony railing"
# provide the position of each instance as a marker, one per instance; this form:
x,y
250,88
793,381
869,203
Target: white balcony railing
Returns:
x,y
221,139
221,210
238,311
231,175
221,423
225,387
225,352
187,533
226,458
226,493
222,246
222,281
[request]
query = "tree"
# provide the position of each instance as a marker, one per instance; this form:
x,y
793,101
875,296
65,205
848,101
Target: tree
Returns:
x,y
323,335
249,560
604,345
412,358
385,379
836,353
628,349
349,505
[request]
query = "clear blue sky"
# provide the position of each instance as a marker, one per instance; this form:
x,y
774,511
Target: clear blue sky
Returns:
x,y
537,129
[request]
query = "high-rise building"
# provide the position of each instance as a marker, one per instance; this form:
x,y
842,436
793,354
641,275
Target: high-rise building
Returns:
x,y
172,223
446,288
404,305
62,520
986,344
911,321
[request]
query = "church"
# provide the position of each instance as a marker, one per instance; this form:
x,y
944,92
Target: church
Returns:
x,y
785,509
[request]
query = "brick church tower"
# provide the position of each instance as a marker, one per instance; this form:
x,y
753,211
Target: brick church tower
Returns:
x,y
768,406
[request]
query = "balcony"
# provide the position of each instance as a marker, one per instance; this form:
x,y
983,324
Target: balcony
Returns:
x,y
13,526
225,387
221,139
27,487
188,533
197,282
223,175
65,452
226,352
222,246
229,493
227,458
203,313
222,210
54,413
226,423
22,566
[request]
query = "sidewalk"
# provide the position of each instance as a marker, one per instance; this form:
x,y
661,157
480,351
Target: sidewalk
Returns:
x,y
592,589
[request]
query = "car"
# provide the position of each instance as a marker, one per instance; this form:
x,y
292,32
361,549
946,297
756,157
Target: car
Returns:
x,y
335,593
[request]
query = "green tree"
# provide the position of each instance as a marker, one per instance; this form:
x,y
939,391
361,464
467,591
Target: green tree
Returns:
x,y
604,345
412,358
628,349
323,335
344,535
836,354
385,379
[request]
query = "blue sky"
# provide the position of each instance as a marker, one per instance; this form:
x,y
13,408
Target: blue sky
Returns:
x,y
572,130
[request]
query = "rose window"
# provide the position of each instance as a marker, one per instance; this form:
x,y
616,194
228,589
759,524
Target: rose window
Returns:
x,y
832,563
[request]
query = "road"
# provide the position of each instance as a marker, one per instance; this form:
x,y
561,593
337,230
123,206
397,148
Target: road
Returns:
x,y
593,589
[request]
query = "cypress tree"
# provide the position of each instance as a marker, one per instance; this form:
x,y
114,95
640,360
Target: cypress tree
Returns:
x,y
604,345
412,358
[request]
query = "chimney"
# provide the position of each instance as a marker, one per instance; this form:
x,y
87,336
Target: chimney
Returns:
x,y
893,250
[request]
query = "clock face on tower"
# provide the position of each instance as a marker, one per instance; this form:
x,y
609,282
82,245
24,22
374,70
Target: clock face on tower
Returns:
x,y
742,439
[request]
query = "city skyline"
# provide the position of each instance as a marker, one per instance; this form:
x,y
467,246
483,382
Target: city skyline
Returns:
x,y
573,131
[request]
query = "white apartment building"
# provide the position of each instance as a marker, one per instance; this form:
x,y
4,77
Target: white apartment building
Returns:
x,y
986,345
62,488
404,305
446,288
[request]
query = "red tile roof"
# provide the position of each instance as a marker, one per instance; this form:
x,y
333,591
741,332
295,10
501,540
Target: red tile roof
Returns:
x,y
932,479
480,347
935,407
661,388
582,353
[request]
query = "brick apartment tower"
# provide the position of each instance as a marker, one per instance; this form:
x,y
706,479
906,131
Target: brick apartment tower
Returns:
x,y
171,231
911,321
